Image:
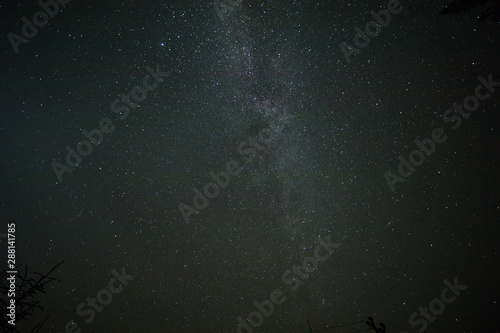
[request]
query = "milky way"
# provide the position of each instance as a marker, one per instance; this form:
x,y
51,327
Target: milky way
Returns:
x,y
264,84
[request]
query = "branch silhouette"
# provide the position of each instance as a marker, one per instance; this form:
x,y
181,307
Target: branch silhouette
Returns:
x,y
27,289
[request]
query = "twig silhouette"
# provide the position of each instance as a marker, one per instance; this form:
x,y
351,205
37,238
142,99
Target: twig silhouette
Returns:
x,y
26,290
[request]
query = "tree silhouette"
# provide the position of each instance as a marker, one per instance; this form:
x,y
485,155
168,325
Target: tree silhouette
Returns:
x,y
491,8
26,291
371,324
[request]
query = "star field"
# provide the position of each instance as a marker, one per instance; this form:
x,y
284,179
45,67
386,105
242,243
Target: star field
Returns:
x,y
257,98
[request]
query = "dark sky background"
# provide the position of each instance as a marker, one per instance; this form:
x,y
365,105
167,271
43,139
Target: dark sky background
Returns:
x,y
232,75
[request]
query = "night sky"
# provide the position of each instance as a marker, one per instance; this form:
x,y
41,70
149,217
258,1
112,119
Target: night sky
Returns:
x,y
204,160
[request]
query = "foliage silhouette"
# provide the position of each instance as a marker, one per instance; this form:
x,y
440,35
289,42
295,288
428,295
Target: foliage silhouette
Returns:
x,y
371,324
491,8
26,290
